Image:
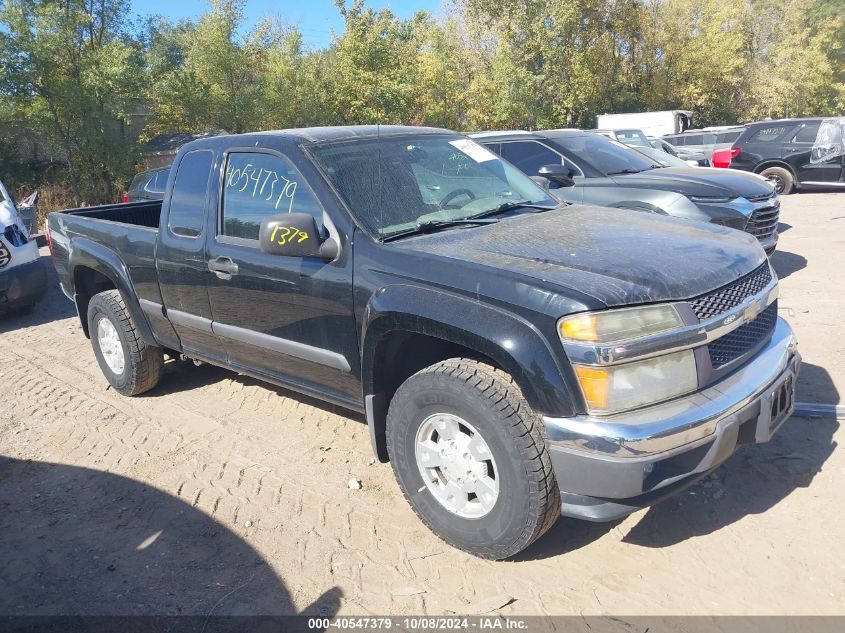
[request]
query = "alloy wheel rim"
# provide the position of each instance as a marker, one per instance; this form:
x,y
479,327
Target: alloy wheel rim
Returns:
x,y
110,346
457,465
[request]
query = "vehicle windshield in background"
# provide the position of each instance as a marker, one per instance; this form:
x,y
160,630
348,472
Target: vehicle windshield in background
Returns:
x,y
607,156
632,137
393,185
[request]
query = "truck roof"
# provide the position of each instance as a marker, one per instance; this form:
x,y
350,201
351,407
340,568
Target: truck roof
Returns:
x,y
317,134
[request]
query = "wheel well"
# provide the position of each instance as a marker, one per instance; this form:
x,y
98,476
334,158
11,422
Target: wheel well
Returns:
x,y
86,283
398,356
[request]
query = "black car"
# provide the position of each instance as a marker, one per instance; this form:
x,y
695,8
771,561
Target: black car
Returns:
x,y
587,167
515,358
148,185
782,151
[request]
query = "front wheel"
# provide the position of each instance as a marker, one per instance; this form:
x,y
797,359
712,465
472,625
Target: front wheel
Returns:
x,y
471,458
128,363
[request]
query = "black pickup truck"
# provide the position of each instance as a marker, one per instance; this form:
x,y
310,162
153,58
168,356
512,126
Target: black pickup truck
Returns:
x,y
516,358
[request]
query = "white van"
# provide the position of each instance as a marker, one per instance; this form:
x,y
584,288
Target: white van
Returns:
x,y
22,277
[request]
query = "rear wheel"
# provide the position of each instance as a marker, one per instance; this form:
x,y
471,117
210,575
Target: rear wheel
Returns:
x,y
470,456
781,178
128,363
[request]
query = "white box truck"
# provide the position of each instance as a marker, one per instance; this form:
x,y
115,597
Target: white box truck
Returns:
x,y
652,123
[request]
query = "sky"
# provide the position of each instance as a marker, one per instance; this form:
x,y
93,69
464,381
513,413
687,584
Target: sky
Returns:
x,y
315,18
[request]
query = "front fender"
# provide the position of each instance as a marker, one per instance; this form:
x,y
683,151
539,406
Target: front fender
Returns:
x,y
509,340
86,253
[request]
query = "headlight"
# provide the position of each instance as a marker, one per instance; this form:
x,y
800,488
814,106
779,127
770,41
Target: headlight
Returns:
x,y
710,199
615,326
616,388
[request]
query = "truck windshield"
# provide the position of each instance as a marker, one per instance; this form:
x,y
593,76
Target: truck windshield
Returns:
x,y
395,184
606,156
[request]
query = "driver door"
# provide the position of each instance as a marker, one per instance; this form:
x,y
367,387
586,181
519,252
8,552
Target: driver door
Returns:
x,y
288,318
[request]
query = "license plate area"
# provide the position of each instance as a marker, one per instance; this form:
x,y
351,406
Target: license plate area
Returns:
x,y
776,406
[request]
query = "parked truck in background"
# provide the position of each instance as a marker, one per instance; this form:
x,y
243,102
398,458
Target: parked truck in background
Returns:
x,y
652,123
516,358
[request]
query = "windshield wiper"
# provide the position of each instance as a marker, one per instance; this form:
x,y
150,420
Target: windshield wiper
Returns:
x,y
509,206
625,171
429,226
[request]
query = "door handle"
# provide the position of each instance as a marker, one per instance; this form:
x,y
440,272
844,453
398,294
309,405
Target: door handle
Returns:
x,y
223,267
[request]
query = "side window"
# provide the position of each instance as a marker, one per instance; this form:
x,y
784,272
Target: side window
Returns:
x,y
529,156
807,133
258,185
188,200
728,137
693,139
767,134
160,183
677,141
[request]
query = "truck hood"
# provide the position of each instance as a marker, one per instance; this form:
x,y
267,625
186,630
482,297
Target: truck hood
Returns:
x,y
698,181
617,257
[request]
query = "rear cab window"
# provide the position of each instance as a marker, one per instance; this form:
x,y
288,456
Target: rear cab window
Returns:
x,y
190,193
258,185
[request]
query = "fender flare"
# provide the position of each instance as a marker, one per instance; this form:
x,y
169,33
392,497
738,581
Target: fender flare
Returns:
x,y
86,253
512,342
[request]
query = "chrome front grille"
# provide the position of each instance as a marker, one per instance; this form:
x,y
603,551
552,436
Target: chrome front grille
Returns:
x,y
730,296
763,222
743,339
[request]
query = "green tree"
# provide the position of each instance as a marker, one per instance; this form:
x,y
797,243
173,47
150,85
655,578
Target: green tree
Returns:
x,y
73,73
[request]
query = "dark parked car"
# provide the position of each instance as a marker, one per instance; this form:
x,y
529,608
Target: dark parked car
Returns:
x,y
782,151
515,358
587,167
148,185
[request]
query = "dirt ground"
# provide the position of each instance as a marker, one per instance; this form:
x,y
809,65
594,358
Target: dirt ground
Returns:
x,y
217,494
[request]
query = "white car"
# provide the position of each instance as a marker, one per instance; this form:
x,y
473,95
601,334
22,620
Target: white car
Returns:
x,y
22,277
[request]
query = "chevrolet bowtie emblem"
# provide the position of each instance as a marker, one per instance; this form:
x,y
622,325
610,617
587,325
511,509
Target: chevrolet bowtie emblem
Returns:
x,y
751,311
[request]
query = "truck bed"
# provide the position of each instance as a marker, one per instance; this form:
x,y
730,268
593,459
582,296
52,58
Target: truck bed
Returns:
x,y
145,213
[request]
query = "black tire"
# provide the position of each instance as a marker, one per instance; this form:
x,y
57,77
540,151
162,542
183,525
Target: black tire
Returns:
x,y
783,179
528,501
143,364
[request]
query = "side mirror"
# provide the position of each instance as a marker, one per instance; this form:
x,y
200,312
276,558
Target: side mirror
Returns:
x,y
543,182
294,235
558,174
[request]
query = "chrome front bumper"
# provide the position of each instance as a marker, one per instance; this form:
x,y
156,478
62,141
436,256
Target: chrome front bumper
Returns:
x,y
633,456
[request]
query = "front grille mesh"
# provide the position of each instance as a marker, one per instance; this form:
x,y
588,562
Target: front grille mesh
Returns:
x,y
727,297
743,339
763,222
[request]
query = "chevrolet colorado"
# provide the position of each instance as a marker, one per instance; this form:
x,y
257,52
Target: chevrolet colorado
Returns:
x,y
516,358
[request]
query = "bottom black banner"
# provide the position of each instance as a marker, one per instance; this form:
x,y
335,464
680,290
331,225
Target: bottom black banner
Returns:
x,y
528,624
